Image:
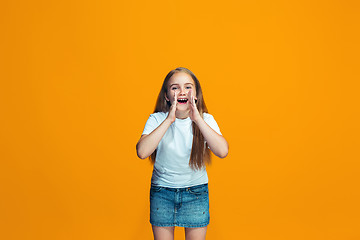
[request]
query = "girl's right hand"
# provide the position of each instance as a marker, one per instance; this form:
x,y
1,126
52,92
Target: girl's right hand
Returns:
x,y
172,110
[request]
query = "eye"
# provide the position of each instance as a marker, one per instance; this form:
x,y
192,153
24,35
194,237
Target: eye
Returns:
x,y
173,88
189,87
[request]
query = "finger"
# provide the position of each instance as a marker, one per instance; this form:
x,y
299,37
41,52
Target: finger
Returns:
x,y
175,98
191,97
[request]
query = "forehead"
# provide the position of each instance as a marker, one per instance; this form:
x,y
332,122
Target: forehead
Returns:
x,y
180,78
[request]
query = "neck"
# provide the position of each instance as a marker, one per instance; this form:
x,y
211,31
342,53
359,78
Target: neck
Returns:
x,y
182,114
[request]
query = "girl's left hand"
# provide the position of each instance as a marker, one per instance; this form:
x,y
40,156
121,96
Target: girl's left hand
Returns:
x,y
194,113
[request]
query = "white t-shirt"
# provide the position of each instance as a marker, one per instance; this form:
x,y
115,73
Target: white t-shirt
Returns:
x,y
171,168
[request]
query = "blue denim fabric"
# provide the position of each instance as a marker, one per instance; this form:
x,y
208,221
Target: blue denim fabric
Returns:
x,y
183,207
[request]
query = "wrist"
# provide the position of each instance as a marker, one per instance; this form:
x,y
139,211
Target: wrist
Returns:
x,y
198,120
169,121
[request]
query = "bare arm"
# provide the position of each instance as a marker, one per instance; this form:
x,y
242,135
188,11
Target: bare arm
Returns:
x,y
149,142
216,142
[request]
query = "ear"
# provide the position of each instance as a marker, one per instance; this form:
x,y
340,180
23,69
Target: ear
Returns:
x,y
166,98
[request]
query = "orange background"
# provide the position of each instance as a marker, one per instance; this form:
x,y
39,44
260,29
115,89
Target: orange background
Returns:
x,y
80,78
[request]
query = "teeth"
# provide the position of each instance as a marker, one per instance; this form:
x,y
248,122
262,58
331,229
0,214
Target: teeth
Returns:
x,y
182,99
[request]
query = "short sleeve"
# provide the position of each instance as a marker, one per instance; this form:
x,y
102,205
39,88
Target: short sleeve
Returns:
x,y
151,124
209,119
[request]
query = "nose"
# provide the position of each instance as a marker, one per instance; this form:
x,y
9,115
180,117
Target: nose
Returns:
x,y
182,91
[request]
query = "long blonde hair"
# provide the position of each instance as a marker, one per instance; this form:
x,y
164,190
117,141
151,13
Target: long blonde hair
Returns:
x,y
200,153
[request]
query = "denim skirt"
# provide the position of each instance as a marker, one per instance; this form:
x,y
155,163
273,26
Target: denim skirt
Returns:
x,y
183,207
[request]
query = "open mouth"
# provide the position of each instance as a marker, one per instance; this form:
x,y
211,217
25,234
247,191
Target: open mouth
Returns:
x,y
182,100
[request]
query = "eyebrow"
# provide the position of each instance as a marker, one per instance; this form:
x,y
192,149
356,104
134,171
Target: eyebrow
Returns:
x,y
178,84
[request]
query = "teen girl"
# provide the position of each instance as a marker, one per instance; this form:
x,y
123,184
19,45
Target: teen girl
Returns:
x,y
178,138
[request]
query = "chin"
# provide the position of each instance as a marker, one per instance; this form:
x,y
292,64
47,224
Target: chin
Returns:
x,y
183,108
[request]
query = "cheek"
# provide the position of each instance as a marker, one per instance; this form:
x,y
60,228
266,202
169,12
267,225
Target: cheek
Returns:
x,y
171,93
193,93
168,95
